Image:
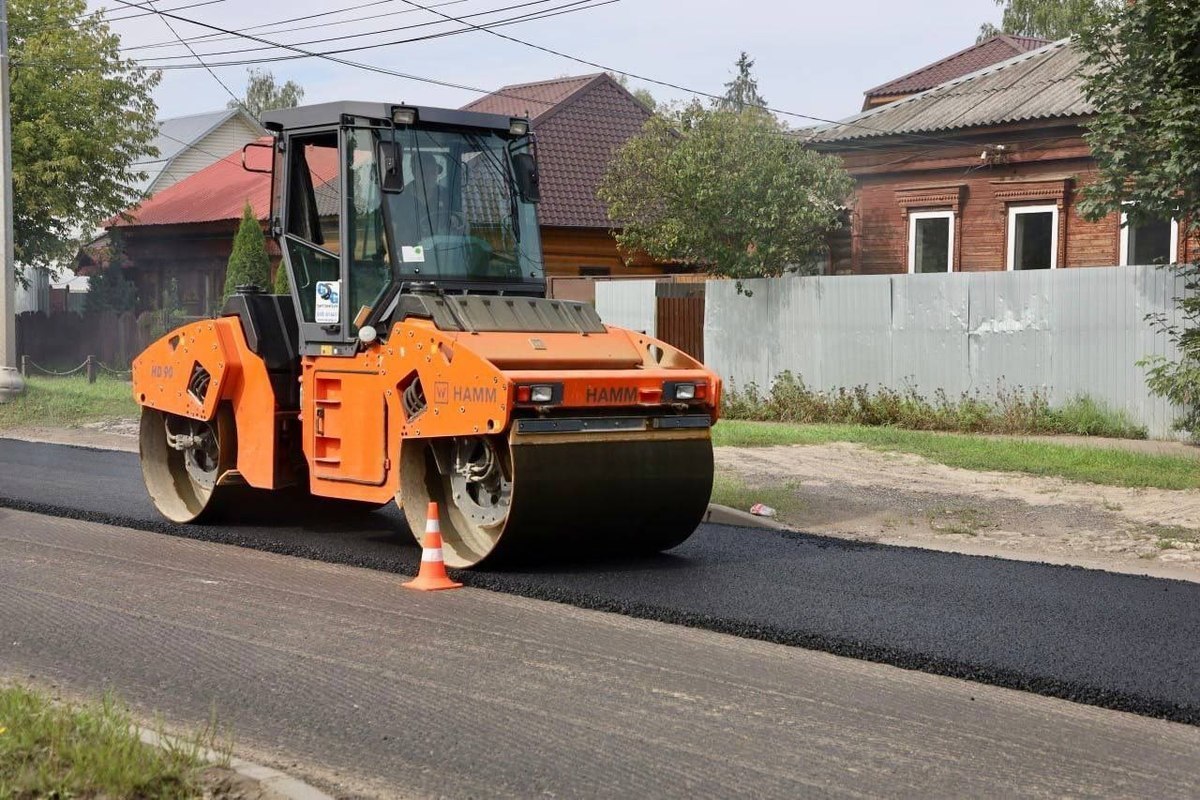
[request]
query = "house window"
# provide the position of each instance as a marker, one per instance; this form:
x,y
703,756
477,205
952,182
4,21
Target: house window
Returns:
x,y
1153,241
1033,237
931,241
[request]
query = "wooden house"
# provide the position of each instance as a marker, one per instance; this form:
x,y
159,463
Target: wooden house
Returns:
x,y
983,172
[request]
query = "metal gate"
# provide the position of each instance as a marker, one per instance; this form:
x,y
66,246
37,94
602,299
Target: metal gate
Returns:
x,y
680,316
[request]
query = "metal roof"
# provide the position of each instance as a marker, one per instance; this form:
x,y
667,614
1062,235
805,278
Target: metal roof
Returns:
x,y
1046,83
177,134
217,192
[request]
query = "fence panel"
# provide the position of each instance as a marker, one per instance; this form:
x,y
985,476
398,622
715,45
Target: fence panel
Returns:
x,y
1066,332
628,304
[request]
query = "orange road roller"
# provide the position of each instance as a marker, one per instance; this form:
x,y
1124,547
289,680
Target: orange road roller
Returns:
x,y
417,357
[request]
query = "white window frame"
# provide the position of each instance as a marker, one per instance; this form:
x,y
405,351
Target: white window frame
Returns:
x,y
1013,213
1124,254
913,217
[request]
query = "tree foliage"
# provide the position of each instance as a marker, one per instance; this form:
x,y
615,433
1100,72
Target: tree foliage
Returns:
x,y
248,263
264,94
1142,63
741,92
82,116
1048,19
734,193
281,285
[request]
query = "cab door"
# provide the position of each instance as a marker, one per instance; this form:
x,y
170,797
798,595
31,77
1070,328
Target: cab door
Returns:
x,y
313,237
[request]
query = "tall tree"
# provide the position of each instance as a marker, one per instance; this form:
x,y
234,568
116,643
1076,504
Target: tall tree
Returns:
x,y
264,94
742,91
1048,19
248,263
82,117
733,193
1142,62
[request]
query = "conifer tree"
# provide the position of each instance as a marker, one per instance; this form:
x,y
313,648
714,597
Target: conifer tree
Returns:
x,y
248,263
282,286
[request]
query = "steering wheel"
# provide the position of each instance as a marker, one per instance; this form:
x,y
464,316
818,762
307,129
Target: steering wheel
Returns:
x,y
457,223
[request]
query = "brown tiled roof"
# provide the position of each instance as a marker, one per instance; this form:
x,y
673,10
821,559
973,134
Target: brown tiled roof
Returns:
x,y
579,122
964,62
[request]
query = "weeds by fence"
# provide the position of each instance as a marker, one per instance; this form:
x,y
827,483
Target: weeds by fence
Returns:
x,y
1012,411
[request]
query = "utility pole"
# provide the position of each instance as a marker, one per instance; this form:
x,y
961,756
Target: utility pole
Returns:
x,y
11,383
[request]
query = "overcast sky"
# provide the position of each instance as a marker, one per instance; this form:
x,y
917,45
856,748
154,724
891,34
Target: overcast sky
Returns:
x,y
813,58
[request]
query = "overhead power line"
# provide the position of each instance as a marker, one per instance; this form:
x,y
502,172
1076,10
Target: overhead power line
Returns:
x,y
573,5
331,56
100,13
237,100
655,81
209,38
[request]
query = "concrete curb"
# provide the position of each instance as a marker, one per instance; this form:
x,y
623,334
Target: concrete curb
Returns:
x,y
272,779
724,515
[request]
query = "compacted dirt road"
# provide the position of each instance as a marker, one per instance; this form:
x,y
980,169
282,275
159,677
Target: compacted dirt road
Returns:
x,y
853,492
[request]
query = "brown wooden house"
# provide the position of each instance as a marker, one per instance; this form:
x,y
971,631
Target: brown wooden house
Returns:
x,y
983,172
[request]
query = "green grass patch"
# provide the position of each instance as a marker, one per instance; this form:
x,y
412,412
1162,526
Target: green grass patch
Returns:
x,y
63,402
731,490
1008,410
53,750
1088,464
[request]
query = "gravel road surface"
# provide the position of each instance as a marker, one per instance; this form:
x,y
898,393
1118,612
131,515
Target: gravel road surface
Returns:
x,y
339,675
1118,641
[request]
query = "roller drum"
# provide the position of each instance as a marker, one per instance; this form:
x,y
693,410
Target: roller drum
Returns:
x,y
568,495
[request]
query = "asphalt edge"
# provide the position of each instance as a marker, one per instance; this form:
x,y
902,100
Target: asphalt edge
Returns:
x,y
268,777
718,514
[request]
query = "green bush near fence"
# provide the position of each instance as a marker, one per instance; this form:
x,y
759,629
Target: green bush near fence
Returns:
x,y
1010,411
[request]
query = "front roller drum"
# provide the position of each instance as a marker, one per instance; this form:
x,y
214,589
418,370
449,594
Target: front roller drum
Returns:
x,y
184,461
534,497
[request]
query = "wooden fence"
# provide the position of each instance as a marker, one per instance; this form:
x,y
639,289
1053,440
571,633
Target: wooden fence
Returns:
x,y
55,341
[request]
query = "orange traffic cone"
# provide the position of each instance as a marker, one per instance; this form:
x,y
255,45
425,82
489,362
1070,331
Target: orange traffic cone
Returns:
x,y
433,568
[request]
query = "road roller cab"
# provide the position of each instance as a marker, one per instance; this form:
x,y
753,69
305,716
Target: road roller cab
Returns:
x,y
418,359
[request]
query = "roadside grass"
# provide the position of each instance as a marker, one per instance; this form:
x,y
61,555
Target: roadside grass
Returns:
x,y
730,490
62,402
965,451
1010,410
52,750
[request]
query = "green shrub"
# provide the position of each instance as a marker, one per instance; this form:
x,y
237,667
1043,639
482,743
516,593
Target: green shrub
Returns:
x,y
1012,411
1179,381
248,263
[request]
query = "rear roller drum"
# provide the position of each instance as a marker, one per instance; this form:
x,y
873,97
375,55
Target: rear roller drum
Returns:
x,y
552,496
184,460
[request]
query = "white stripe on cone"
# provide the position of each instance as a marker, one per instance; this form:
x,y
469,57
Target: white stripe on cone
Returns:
x,y
431,526
431,554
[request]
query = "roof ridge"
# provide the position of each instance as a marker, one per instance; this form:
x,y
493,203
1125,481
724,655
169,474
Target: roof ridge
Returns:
x,y
1001,37
854,119
530,84
225,111
574,96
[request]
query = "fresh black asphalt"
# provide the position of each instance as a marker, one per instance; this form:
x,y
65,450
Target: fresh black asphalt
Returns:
x,y
1119,641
